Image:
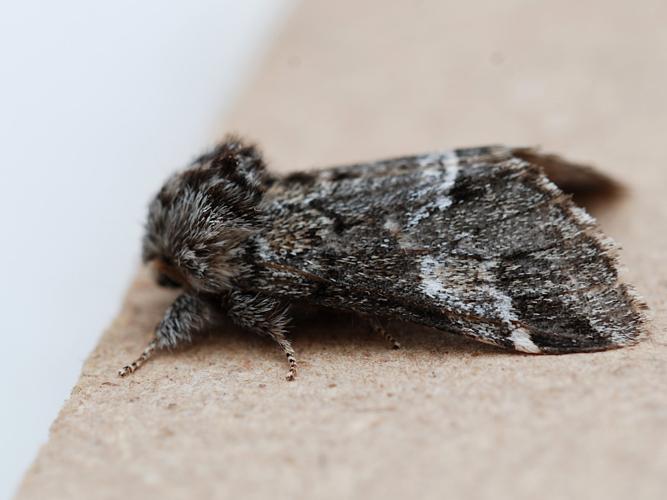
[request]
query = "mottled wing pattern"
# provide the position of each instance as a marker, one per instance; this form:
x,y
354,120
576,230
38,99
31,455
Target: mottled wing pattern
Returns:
x,y
474,241
573,178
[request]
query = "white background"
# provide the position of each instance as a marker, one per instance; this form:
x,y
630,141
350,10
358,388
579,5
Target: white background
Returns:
x,y
99,101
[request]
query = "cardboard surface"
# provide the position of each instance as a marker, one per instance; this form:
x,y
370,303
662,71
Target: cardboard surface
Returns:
x,y
443,416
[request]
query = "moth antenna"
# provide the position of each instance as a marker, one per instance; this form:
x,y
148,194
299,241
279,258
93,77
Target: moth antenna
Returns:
x,y
137,363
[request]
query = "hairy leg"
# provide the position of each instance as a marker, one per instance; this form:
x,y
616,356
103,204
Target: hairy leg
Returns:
x,y
187,316
265,316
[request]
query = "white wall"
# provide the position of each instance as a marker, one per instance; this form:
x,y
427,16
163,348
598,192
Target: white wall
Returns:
x,y
98,102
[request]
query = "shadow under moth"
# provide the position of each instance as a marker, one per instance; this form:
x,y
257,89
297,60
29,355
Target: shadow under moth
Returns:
x,y
483,242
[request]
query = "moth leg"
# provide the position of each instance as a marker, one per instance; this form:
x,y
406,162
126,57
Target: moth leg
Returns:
x,y
187,316
379,329
289,352
136,364
264,316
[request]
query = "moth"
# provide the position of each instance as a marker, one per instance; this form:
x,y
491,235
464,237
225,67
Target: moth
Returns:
x,y
482,242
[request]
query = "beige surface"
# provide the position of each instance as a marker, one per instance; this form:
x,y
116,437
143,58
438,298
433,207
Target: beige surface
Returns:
x,y
443,417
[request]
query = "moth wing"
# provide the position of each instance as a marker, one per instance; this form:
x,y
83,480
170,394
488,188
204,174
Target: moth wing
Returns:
x,y
571,177
582,181
484,245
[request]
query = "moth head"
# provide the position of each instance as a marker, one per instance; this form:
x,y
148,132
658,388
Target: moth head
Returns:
x,y
199,221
